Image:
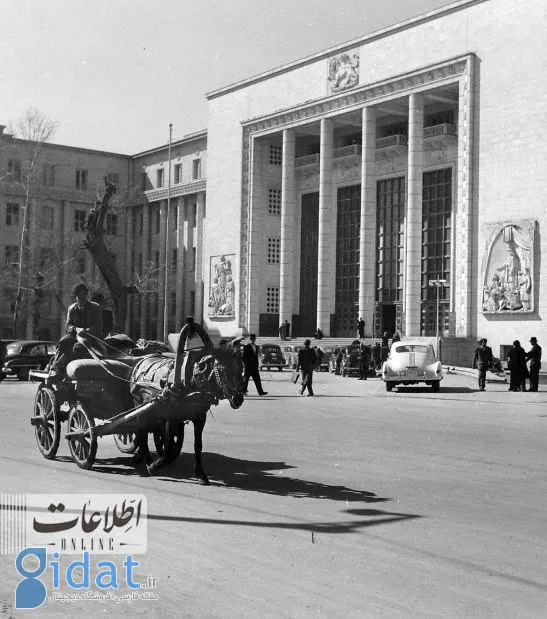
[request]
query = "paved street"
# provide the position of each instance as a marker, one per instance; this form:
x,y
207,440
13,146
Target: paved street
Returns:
x,y
355,503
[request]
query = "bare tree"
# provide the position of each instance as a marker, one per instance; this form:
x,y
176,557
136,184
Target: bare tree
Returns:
x,y
34,129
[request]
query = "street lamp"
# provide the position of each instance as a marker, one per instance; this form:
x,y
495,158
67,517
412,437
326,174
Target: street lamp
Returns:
x,y
438,283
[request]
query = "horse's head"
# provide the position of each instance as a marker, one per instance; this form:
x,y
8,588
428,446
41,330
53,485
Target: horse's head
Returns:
x,y
220,374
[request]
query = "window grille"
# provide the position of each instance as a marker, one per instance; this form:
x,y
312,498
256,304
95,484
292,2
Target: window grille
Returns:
x,y
272,299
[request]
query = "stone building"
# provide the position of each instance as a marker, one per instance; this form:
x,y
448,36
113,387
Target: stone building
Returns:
x,y
366,179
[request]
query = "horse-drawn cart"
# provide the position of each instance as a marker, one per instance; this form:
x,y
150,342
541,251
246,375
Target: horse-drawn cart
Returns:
x,y
130,397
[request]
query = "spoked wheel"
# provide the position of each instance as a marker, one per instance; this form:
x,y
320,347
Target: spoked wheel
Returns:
x,y
126,442
47,424
83,443
168,440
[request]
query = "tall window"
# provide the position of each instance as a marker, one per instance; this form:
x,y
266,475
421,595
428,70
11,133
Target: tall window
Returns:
x,y
79,220
156,219
196,169
81,179
274,250
159,177
274,201
48,175
275,155
80,263
11,255
178,173
111,223
194,261
390,240
157,260
12,214
194,214
272,299
48,217
14,169
436,248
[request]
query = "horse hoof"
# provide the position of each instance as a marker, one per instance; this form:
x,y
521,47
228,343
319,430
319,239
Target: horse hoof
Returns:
x,y
151,469
203,481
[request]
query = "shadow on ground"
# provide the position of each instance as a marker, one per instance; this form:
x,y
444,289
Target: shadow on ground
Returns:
x,y
366,518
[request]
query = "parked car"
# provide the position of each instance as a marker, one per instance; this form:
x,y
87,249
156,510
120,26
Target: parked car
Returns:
x,y
349,365
291,355
25,355
325,361
410,362
271,356
335,360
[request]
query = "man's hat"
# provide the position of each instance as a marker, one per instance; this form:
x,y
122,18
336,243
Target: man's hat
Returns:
x,y
533,340
307,342
253,336
484,340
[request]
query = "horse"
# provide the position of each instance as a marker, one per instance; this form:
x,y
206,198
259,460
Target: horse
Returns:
x,y
187,386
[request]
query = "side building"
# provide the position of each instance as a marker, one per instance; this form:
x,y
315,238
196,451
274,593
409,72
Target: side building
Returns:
x,y
397,177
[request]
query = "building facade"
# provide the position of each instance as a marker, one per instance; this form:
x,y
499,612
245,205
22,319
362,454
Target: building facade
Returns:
x,y
374,176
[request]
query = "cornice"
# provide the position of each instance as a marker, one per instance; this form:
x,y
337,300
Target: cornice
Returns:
x,y
176,191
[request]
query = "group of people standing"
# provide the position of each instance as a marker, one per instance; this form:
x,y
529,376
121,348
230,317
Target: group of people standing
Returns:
x,y
517,360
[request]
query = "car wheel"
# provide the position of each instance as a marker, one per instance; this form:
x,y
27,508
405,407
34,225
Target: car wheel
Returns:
x,y
389,386
22,374
279,369
435,386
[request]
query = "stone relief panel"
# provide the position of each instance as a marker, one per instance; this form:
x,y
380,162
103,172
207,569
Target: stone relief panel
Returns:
x,y
222,288
508,268
343,72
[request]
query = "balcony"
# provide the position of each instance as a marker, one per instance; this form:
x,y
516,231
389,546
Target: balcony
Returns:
x,y
436,130
392,140
337,153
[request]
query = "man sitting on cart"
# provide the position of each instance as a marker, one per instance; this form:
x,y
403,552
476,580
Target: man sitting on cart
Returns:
x,y
83,317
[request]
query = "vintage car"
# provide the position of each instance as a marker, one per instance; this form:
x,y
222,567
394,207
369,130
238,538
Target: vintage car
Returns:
x,y
349,365
335,360
25,355
325,359
271,356
410,362
291,355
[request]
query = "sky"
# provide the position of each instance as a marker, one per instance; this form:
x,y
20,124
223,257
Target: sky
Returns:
x,y
115,73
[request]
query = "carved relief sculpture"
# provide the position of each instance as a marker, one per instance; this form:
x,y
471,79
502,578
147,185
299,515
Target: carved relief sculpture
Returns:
x,y
343,71
222,288
508,268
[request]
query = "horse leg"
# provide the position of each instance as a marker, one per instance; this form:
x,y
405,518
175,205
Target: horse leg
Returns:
x,y
199,424
143,453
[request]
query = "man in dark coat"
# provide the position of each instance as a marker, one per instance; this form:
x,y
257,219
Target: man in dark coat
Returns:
x,y
361,328
250,361
516,362
364,361
534,356
287,329
282,331
482,361
83,318
306,364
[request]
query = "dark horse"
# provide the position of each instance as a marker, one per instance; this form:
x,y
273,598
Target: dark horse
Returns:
x,y
185,388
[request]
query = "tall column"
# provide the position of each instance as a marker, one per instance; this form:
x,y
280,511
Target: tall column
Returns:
x,y
188,234
288,208
179,286
367,230
255,282
327,240
200,214
145,301
129,258
161,274
413,236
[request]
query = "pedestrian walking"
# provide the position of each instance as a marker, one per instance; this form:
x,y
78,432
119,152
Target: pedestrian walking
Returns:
x,y
306,364
282,331
250,361
482,361
516,362
534,356
363,362
319,355
361,328
377,355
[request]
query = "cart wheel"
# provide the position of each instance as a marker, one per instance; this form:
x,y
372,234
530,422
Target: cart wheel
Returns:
x,y
48,430
84,448
168,441
126,442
